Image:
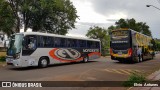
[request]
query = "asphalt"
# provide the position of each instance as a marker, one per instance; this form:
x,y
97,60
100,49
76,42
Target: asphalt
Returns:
x,y
102,69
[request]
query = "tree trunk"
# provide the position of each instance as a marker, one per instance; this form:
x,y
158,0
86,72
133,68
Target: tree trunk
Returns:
x,y
18,25
14,7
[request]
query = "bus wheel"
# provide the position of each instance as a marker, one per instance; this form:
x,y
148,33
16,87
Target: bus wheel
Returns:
x,y
43,62
152,56
141,59
85,59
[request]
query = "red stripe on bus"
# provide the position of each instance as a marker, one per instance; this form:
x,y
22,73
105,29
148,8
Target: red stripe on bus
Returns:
x,y
51,53
95,53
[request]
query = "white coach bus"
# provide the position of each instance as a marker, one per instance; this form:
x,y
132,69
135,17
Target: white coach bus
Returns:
x,y
42,49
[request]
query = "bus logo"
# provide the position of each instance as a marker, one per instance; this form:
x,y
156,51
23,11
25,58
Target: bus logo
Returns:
x,y
65,54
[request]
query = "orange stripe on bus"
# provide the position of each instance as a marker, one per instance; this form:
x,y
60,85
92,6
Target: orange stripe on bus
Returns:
x,y
94,53
51,53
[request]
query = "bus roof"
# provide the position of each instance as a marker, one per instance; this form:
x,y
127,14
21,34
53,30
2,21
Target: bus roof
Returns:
x,y
56,35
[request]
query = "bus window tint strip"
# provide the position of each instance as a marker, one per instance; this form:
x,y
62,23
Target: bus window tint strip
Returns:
x,y
50,42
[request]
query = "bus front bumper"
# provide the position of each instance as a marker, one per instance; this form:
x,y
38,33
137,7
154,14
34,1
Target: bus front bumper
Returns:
x,y
14,62
19,62
121,58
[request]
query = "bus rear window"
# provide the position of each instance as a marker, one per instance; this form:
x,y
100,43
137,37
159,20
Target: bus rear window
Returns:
x,y
120,39
120,35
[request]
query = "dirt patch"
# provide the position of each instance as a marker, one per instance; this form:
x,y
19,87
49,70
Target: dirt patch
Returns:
x,y
2,64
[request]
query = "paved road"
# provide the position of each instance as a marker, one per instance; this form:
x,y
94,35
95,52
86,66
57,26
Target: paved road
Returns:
x,y
103,69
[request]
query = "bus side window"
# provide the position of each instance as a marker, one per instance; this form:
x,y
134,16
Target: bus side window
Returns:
x,y
71,43
63,42
92,44
89,44
45,44
57,42
30,42
97,44
74,43
39,41
50,41
82,43
44,41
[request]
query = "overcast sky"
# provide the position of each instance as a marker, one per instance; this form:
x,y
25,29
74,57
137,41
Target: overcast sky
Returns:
x,y
104,13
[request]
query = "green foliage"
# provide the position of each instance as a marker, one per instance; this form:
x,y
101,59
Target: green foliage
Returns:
x,y
101,34
2,58
7,20
54,16
132,24
134,78
157,45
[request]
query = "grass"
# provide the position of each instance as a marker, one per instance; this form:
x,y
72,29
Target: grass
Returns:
x,y
135,78
2,56
2,61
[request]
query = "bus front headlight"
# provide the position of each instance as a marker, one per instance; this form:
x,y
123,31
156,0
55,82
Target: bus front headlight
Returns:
x,y
17,56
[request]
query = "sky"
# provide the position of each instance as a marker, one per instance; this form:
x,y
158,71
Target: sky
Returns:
x,y
105,13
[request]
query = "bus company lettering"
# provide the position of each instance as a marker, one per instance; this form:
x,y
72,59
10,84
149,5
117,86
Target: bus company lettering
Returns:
x,y
90,50
66,54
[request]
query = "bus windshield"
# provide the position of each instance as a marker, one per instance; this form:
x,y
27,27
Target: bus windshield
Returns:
x,y
120,39
15,44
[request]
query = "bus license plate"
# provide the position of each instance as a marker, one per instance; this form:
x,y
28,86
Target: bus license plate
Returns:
x,y
119,53
9,60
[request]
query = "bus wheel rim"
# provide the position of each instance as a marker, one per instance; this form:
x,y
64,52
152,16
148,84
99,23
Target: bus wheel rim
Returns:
x,y
141,59
44,62
85,59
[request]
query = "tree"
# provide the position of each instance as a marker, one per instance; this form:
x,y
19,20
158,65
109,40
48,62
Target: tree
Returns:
x,y
157,44
101,34
111,28
7,21
132,24
14,5
54,16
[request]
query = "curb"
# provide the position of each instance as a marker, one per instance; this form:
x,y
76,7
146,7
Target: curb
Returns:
x,y
154,76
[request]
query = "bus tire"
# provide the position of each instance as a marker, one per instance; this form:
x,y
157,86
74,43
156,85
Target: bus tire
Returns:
x,y
141,58
152,56
43,62
85,59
